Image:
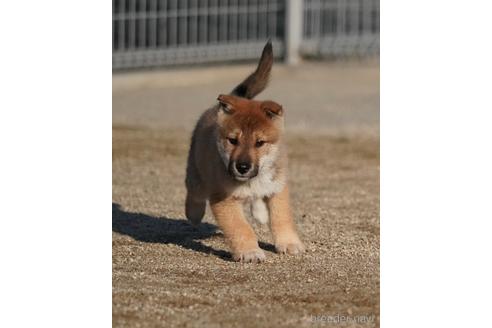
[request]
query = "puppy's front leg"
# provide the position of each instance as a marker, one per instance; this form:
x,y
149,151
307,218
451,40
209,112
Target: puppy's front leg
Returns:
x,y
237,231
282,224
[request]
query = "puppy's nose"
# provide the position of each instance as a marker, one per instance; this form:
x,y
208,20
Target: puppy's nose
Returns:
x,y
243,167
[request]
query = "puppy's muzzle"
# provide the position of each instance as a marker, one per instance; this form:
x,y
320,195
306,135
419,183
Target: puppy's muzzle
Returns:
x,y
243,171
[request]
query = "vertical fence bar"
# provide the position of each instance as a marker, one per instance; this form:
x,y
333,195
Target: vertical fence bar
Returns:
x,y
143,18
366,18
113,25
202,36
173,26
272,19
121,25
132,24
262,20
206,15
310,18
317,18
376,12
182,11
252,22
162,14
354,25
355,17
293,29
342,17
305,33
193,30
153,24
213,21
232,13
243,20
223,23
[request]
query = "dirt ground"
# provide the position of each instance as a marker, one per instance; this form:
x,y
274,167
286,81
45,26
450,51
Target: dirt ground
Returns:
x,y
167,273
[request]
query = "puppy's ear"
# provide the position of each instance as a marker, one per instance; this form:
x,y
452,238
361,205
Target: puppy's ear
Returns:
x,y
272,109
226,103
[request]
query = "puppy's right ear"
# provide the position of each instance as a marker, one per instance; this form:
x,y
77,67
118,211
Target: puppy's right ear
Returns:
x,y
226,103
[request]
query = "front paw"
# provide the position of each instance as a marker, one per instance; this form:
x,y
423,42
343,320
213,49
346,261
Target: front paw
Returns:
x,y
250,256
290,247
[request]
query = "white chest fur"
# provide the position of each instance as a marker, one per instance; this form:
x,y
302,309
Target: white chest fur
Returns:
x,y
263,185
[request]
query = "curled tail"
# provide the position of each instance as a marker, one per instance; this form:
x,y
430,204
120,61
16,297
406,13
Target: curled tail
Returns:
x,y
258,80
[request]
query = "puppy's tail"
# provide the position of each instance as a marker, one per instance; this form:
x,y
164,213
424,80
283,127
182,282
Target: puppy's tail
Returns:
x,y
258,80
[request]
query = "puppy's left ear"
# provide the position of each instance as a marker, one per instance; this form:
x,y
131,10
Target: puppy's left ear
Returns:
x,y
272,109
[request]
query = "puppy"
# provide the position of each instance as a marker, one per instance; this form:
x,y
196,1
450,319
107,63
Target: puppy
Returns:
x,y
237,157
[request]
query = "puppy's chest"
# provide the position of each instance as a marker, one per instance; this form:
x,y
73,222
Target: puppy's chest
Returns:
x,y
263,185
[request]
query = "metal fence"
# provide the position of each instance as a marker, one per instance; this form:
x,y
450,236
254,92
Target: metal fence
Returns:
x,y
340,27
171,32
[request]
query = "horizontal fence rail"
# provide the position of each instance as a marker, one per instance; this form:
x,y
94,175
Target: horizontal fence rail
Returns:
x,y
150,33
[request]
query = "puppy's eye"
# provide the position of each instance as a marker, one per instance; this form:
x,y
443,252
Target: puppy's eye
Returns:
x,y
259,143
232,141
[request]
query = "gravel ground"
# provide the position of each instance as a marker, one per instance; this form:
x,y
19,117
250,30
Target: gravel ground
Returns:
x,y
167,273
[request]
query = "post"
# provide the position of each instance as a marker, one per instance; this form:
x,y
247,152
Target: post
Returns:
x,y
293,29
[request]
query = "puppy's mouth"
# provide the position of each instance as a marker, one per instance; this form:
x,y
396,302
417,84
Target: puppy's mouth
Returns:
x,y
242,177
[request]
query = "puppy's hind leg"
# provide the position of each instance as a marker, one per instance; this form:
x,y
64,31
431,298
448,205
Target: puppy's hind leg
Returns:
x,y
195,208
195,200
195,197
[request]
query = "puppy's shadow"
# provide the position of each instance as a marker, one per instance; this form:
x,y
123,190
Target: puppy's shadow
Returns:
x,y
152,229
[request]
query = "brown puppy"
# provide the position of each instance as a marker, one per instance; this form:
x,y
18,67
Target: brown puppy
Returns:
x,y
237,157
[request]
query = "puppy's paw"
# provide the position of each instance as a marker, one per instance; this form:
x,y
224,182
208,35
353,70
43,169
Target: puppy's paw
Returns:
x,y
290,247
250,256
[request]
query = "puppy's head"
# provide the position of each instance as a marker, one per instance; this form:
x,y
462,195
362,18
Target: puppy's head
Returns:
x,y
248,135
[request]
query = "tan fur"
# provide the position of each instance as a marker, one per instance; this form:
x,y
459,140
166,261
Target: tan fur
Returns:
x,y
237,157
